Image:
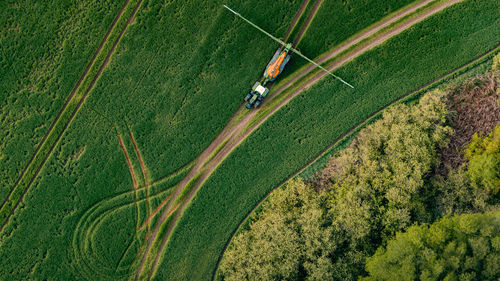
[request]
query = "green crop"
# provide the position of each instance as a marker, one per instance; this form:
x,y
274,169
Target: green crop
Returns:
x,y
44,49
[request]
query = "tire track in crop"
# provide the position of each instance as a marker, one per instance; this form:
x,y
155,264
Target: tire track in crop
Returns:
x,y
144,173
129,163
309,19
296,18
84,253
340,138
134,179
81,101
84,74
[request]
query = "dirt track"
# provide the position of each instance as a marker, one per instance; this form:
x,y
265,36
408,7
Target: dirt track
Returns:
x,y
236,134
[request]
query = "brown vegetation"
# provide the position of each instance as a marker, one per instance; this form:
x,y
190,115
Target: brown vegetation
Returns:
x,y
473,108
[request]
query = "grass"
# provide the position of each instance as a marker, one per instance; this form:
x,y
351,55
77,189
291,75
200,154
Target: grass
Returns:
x,y
304,127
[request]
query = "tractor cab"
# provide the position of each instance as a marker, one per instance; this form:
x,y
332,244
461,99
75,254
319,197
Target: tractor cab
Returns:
x,y
256,95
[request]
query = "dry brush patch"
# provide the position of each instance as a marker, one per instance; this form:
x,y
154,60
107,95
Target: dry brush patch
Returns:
x,y
474,107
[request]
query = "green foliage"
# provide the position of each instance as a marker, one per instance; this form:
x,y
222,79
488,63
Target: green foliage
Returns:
x,y
483,167
292,237
465,247
292,136
456,195
379,180
379,189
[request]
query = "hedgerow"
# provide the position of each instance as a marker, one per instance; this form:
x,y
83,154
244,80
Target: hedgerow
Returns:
x,y
304,127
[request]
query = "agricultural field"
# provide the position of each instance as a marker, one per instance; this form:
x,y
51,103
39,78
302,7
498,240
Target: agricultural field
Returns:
x,y
151,162
36,81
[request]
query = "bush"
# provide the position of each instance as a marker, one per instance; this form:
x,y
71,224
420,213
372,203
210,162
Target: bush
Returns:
x,y
483,155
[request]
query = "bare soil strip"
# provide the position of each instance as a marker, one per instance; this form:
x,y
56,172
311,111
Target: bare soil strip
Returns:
x,y
354,128
81,101
68,99
238,132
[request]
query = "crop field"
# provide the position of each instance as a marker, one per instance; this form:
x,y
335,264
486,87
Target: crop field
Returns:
x,y
38,80
147,91
126,159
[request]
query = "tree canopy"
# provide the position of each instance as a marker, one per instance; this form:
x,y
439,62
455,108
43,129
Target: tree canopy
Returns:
x,y
465,247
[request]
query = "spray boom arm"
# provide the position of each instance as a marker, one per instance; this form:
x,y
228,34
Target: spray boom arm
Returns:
x,y
292,49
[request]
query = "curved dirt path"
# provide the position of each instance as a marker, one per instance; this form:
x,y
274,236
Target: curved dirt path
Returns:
x,y
235,135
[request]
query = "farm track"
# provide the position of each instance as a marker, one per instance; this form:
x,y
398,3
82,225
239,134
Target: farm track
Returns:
x,y
79,104
68,99
336,141
237,133
129,163
227,132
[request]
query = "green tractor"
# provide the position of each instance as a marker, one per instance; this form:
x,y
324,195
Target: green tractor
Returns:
x,y
256,95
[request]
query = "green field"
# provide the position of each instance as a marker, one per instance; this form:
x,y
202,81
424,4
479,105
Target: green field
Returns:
x,y
44,51
301,129
175,79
